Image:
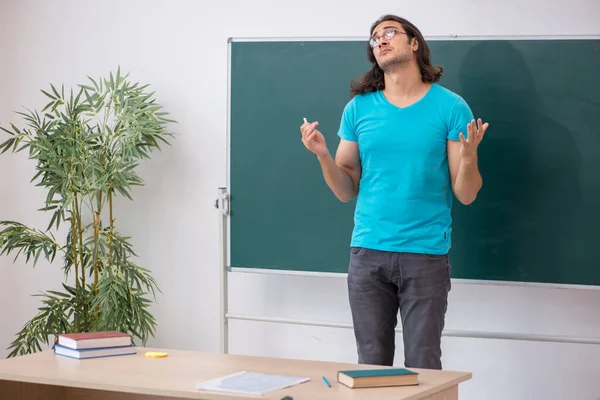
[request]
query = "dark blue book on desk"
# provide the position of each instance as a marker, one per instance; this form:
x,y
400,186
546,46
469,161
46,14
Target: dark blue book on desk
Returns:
x,y
378,377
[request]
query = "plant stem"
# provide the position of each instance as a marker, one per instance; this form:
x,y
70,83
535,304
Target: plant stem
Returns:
x,y
81,255
80,238
74,243
97,217
96,239
112,225
75,264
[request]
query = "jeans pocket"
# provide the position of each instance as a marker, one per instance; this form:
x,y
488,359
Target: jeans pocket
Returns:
x,y
425,275
357,251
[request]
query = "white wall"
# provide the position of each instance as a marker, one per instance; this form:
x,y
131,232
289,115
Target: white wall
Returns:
x,y
180,48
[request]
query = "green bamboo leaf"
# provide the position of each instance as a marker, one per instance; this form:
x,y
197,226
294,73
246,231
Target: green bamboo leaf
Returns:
x,y
71,290
57,104
172,121
20,148
37,257
59,294
55,218
57,95
7,145
118,79
29,117
15,129
48,94
47,106
7,131
71,102
93,82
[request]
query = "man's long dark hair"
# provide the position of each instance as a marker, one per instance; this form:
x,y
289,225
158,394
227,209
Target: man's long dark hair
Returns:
x,y
373,80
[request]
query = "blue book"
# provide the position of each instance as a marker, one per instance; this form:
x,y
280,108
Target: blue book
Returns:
x,y
94,353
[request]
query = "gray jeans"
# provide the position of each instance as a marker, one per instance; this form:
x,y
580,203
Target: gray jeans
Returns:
x,y
381,283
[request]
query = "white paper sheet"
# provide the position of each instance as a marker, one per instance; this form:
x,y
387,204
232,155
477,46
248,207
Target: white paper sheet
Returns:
x,y
255,383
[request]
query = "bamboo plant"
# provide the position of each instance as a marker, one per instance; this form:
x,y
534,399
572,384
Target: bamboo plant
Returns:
x,y
86,146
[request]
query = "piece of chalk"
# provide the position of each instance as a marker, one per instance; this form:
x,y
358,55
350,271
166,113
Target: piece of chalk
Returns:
x,y
305,121
153,354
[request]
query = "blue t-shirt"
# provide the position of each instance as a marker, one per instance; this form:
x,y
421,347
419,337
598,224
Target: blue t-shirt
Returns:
x,y
405,194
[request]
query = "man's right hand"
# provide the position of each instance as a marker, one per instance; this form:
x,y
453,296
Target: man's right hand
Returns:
x,y
313,139
342,174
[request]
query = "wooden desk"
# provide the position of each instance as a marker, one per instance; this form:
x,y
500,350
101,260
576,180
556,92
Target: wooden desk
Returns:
x,y
135,377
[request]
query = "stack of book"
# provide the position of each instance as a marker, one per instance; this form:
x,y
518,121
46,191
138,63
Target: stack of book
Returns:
x,y
94,344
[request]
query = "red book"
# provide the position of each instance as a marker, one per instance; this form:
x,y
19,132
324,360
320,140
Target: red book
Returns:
x,y
94,340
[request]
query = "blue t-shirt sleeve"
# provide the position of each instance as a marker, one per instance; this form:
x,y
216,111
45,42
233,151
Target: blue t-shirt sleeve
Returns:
x,y
347,128
460,117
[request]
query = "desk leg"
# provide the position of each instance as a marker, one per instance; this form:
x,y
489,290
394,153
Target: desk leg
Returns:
x,y
448,394
30,391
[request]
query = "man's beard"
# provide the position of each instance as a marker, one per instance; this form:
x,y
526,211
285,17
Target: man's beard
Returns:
x,y
399,62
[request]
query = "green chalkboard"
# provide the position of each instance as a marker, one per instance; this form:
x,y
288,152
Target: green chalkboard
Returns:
x,y
537,218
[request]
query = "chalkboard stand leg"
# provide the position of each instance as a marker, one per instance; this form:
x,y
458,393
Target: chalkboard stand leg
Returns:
x,y
222,203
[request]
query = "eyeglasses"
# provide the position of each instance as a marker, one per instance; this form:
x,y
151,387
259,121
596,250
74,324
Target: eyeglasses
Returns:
x,y
388,34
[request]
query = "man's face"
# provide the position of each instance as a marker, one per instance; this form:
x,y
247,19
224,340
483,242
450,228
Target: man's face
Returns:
x,y
391,46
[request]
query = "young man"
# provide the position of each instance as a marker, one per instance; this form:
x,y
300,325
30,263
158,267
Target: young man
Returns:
x,y
407,145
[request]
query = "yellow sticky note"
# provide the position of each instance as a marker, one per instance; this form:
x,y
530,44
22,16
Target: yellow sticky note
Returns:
x,y
155,354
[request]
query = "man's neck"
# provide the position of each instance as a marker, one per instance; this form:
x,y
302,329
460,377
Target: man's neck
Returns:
x,y
404,83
